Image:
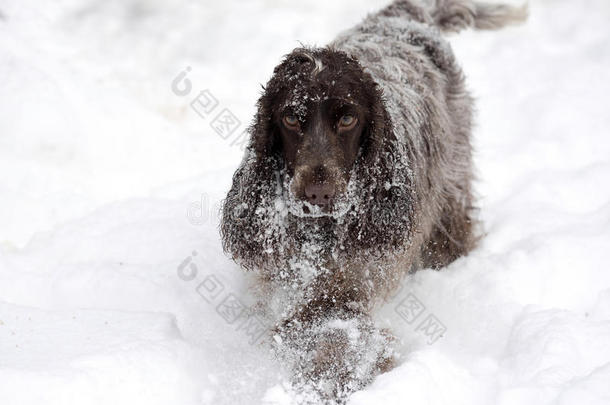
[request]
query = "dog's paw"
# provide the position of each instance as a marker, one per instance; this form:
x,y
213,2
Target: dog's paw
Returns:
x,y
336,357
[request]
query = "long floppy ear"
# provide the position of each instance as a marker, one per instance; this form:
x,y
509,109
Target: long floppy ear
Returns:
x,y
383,217
246,217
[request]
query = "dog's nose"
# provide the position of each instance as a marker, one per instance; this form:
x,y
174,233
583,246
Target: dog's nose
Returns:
x,y
320,194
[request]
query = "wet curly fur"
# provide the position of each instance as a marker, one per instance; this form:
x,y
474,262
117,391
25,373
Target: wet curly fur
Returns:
x,y
409,192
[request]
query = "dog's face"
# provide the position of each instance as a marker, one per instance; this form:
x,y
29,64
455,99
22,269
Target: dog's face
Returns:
x,y
320,149
320,116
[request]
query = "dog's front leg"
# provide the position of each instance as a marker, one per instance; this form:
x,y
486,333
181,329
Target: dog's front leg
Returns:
x,y
333,345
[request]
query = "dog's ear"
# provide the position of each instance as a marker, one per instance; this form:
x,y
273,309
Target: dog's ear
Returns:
x,y
243,225
244,228
384,215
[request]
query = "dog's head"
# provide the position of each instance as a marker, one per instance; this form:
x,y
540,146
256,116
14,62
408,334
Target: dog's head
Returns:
x,y
317,114
322,145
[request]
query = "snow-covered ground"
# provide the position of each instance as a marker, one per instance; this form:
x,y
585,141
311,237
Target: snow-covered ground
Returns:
x,y
112,278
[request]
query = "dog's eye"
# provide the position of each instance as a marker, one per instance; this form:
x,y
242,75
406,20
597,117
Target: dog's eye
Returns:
x,y
347,121
291,121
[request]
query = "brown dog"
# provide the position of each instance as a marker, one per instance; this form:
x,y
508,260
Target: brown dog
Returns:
x,y
357,172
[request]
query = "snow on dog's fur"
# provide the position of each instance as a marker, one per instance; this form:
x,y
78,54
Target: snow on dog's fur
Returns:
x,y
404,203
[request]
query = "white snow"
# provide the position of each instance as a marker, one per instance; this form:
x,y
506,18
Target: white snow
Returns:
x,y
110,182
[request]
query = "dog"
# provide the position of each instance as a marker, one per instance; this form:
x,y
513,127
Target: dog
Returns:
x,y
358,172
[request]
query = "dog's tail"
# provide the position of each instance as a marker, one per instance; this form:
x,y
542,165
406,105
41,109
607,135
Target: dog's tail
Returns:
x,y
456,15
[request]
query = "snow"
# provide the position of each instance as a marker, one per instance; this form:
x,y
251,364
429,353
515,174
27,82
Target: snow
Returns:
x,y
110,182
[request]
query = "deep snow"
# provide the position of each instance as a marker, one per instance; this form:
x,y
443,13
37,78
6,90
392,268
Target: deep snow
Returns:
x,y
110,182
